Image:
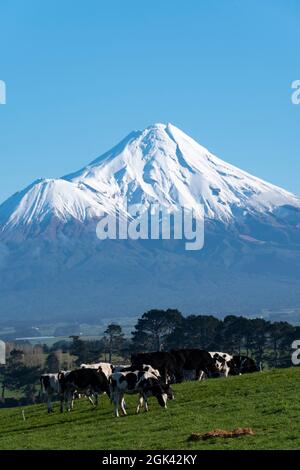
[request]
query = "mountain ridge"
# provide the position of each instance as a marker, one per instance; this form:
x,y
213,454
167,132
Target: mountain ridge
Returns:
x,y
159,164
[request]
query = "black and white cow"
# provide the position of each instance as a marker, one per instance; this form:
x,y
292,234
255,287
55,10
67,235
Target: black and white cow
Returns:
x,y
222,361
50,385
145,384
89,382
242,365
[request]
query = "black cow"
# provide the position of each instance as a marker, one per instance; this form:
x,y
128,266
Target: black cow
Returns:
x,y
197,360
90,382
164,362
242,365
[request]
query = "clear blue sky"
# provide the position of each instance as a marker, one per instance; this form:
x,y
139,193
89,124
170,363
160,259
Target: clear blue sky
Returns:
x,y
81,75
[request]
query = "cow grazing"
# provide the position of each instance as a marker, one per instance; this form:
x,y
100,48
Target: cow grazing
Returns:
x,y
197,360
90,382
50,385
222,360
106,367
242,365
142,383
164,362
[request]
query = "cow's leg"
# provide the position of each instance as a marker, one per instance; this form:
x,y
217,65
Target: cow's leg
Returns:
x,y
201,375
49,403
116,398
123,405
74,395
91,400
140,404
146,403
69,400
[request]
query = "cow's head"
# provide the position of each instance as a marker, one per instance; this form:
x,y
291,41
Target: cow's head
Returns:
x,y
233,367
153,387
168,390
219,360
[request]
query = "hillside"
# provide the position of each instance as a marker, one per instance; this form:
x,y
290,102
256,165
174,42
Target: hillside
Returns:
x,y
268,402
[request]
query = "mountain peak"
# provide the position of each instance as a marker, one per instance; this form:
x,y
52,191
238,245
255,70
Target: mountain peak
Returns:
x,y
160,164
157,125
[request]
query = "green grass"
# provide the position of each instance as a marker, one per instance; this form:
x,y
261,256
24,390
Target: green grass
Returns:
x,y
268,402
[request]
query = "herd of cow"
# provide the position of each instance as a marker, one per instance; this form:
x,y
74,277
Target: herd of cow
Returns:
x,y
150,374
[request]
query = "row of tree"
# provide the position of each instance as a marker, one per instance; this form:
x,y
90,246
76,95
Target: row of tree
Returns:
x,y
157,330
269,343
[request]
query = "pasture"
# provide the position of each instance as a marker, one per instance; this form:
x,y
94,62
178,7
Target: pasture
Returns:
x,y
268,402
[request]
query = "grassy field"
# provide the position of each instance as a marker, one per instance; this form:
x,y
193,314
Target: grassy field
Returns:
x,y
268,402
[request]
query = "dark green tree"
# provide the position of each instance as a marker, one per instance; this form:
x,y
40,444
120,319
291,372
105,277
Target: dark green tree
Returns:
x,y
194,331
280,334
79,348
260,339
16,376
153,329
114,338
52,363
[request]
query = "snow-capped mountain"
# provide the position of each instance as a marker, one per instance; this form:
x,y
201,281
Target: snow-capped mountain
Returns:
x,y
160,164
49,249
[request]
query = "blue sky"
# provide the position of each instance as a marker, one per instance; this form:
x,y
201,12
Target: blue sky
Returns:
x,y
81,75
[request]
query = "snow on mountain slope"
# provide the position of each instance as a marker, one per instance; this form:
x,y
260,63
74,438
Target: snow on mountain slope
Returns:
x,y
163,164
160,164
46,198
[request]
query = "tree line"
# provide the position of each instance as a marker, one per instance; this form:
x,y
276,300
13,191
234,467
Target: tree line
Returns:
x,y
269,343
